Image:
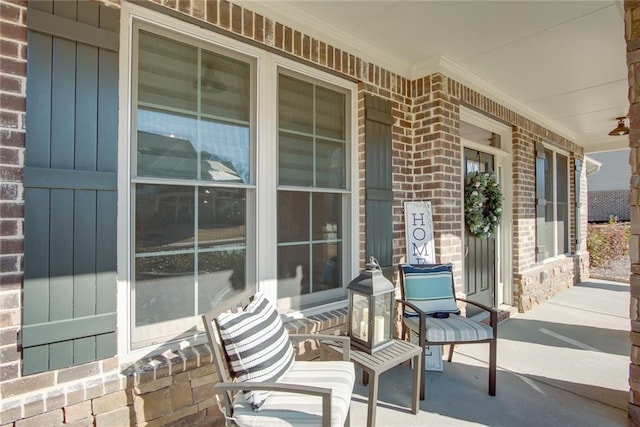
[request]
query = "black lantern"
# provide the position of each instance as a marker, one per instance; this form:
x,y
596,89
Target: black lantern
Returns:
x,y
371,301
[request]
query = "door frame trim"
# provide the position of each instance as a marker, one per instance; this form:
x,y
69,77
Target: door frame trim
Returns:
x,y
503,292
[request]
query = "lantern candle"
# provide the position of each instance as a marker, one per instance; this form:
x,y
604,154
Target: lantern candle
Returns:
x,y
364,329
379,329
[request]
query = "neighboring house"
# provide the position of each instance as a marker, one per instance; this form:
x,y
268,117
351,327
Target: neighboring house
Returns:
x,y
608,192
174,156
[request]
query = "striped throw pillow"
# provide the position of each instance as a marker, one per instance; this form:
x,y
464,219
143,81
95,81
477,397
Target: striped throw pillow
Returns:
x,y
430,288
258,346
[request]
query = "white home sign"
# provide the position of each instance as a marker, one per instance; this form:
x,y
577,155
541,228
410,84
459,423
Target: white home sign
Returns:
x,y
419,230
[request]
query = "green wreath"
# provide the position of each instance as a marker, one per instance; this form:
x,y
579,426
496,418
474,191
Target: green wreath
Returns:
x,y
483,204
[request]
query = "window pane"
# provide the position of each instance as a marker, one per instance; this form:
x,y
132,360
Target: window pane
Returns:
x,y
164,288
221,275
167,72
549,196
164,155
295,160
225,87
326,266
327,212
295,105
164,218
293,271
330,113
330,164
221,217
293,216
562,192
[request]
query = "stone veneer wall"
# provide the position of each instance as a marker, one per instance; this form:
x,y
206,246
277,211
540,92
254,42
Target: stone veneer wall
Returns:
x,y
632,36
174,390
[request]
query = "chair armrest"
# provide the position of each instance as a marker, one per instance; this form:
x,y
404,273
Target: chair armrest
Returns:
x,y
323,392
273,386
422,321
343,341
493,313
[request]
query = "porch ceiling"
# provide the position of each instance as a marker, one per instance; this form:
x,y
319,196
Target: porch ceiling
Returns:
x,y
561,63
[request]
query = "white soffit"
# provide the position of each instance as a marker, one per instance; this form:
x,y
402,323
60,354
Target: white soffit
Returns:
x,y
559,63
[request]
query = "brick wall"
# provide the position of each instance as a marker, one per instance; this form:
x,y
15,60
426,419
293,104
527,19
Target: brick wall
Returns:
x,y
632,36
426,164
13,66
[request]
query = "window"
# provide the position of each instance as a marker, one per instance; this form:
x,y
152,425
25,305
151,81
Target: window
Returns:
x,y
312,149
552,182
205,160
191,182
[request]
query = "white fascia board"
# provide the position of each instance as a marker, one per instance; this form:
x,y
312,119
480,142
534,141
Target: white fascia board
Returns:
x,y
602,144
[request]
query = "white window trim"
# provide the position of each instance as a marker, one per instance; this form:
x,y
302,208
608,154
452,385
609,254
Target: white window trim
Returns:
x,y
267,65
556,256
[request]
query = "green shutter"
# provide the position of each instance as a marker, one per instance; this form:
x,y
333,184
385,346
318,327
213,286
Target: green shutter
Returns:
x,y
578,164
541,202
378,182
69,307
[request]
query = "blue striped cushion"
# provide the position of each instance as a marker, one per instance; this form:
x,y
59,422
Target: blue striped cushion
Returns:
x,y
257,344
430,288
452,329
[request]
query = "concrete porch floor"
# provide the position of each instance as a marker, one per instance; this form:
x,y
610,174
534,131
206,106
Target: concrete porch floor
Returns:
x,y
563,363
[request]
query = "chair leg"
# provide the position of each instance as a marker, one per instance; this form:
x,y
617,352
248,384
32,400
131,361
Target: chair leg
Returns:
x,y
492,366
423,375
451,347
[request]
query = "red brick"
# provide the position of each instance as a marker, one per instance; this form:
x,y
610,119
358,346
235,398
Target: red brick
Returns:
x,y
9,156
170,3
184,6
13,31
10,48
11,174
10,12
12,246
9,192
9,264
10,281
212,11
8,228
10,84
236,19
247,24
259,28
12,138
9,119
11,210
225,14
13,102
279,36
